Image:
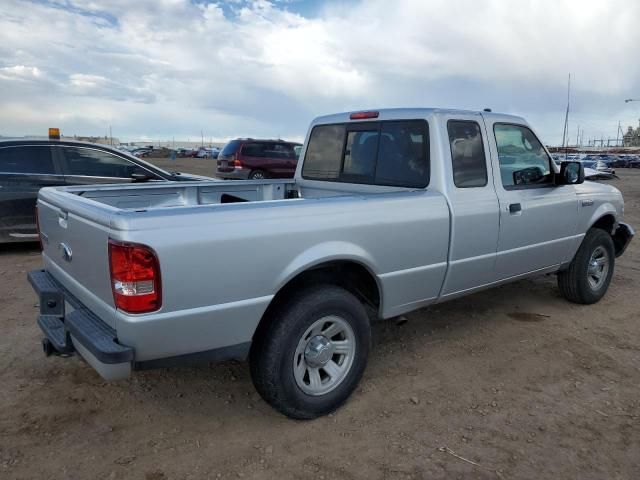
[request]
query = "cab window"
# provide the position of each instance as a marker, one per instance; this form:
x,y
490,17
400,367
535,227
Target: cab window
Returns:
x,y
524,162
467,154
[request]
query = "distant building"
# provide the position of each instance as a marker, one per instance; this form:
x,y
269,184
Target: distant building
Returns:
x,y
632,137
101,140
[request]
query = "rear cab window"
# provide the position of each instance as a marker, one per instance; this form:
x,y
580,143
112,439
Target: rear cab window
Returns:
x,y
392,153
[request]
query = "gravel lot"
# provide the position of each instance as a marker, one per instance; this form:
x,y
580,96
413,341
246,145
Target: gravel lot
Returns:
x,y
509,383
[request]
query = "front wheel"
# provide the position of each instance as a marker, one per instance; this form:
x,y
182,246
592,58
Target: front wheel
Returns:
x,y
589,274
310,355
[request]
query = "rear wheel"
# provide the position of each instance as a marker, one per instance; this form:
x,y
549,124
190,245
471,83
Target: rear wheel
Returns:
x,y
257,175
589,274
309,357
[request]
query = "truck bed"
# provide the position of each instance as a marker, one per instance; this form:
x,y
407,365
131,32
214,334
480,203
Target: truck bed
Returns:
x,y
184,194
226,248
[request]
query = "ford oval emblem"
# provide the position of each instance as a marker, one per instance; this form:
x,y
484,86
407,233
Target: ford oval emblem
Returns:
x,y
67,254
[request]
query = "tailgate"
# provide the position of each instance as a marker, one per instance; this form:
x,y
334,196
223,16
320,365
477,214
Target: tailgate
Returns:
x,y
75,252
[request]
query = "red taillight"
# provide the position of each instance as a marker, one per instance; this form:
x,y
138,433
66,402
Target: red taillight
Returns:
x,y
38,229
135,277
236,160
363,115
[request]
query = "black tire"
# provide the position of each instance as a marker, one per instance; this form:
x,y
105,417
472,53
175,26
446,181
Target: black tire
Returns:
x,y
274,348
574,282
257,175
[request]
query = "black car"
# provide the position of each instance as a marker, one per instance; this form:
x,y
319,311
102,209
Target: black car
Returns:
x,y
28,165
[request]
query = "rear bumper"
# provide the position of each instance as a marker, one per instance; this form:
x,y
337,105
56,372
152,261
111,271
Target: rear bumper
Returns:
x,y
70,327
78,330
622,237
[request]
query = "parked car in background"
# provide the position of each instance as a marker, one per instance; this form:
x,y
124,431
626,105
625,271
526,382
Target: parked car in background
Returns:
x,y
604,166
248,158
619,161
28,165
142,152
204,152
187,152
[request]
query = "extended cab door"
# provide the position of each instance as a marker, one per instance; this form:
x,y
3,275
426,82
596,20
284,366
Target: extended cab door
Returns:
x,y
537,218
475,216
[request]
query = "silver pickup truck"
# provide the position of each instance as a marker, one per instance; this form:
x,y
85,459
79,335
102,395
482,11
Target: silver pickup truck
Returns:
x,y
389,211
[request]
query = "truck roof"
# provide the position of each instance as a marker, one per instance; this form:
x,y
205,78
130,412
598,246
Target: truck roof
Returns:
x,y
405,113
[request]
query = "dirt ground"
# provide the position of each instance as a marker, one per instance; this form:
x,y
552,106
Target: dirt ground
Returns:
x,y
509,383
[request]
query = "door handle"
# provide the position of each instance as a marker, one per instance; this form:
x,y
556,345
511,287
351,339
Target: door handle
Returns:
x,y
515,208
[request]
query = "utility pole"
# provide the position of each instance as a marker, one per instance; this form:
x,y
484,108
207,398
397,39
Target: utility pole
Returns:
x,y
565,131
110,136
201,138
618,133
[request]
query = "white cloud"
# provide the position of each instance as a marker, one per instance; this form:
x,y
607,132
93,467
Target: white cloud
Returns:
x,y
19,73
173,67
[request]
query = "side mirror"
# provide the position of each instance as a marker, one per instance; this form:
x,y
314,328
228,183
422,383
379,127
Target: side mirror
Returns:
x,y
571,173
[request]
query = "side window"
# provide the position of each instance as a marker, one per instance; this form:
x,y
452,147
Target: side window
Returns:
x,y
97,163
403,155
394,153
467,154
27,159
280,150
523,159
254,150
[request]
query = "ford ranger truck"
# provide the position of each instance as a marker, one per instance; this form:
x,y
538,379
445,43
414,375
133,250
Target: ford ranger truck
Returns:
x,y
389,211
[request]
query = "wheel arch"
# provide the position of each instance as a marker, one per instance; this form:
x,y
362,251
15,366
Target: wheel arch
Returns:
x,y
605,221
353,275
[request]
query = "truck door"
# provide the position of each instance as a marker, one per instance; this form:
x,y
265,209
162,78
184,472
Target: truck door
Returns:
x,y
474,204
537,218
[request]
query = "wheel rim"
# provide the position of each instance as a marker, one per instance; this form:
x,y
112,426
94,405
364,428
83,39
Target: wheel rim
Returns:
x,y
257,176
598,268
324,355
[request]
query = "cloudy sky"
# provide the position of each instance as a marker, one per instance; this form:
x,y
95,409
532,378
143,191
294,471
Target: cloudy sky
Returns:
x,y
159,69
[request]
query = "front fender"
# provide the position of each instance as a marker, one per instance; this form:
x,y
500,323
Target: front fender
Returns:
x,y
606,208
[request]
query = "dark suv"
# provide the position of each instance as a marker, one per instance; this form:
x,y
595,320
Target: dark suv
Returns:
x,y
247,158
28,165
